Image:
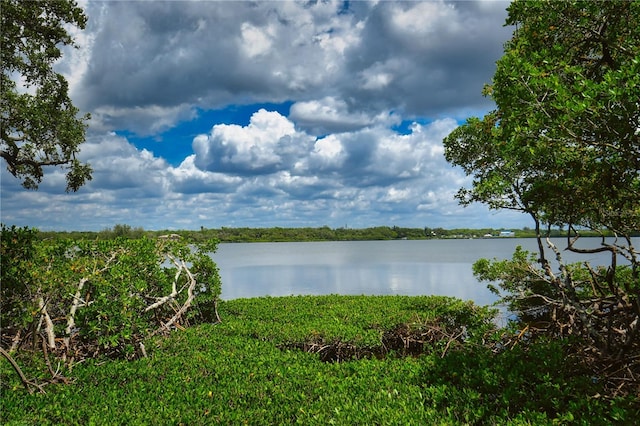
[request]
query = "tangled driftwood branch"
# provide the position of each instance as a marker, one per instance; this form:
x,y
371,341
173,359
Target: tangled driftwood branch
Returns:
x,y
190,286
606,321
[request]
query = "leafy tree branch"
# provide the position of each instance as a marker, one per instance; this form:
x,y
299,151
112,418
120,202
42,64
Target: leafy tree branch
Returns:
x,y
39,125
563,146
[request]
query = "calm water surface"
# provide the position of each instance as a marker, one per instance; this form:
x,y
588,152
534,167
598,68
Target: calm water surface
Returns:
x,y
425,267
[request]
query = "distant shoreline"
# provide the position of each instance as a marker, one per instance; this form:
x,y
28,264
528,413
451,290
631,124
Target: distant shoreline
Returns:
x,y
277,234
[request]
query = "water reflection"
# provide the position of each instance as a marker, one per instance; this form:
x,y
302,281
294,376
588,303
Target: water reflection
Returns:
x,y
351,268
429,267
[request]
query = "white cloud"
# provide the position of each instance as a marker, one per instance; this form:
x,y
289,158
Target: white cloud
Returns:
x,y
351,72
328,115
120,166
421,19
373,80
75,59
143,120
189,179
155,56
328,153
395,195
269,143
255,41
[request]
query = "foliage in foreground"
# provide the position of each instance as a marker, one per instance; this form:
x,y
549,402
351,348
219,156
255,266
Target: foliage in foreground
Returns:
x,y
563,146
71,300
244,370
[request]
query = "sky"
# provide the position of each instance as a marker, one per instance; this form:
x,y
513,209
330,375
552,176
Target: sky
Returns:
x,y
271,113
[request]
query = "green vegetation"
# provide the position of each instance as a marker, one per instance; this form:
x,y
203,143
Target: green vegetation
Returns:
x,y
245,235
101,323
82,299
248,369
39,126
90,336
563,146
248,235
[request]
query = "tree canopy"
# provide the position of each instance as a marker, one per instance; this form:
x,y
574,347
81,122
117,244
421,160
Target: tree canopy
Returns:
x,y
40,125
563,143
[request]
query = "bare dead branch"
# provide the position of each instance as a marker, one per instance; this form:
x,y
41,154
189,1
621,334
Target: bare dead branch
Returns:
x,y
190,296
72,312
44,315
25,382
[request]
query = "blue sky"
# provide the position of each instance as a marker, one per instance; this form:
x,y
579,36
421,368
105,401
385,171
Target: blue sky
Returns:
x,y
174,144
220,113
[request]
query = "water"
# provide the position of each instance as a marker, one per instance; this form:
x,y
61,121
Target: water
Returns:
x,y
425,267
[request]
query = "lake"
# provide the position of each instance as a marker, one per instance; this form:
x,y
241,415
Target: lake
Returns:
x,y
399,267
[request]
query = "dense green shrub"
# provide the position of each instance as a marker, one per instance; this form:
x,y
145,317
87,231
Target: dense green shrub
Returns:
x,y
102,297
240,371
17,254
597,306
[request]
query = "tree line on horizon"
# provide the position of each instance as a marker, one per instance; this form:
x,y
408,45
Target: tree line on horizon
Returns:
x,y
300,234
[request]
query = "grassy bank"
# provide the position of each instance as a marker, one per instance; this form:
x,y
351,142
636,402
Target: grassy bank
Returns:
x,y
326,360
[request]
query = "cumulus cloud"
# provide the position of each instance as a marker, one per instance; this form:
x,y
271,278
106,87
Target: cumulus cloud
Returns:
x,y
119,165
269,143
164,54
189,179
425,58
255,41
326,167
332,115
155,57
142,120
328,154
353,74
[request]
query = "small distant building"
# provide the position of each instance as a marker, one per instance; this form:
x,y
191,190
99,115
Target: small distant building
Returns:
x,y
487,236
507,234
